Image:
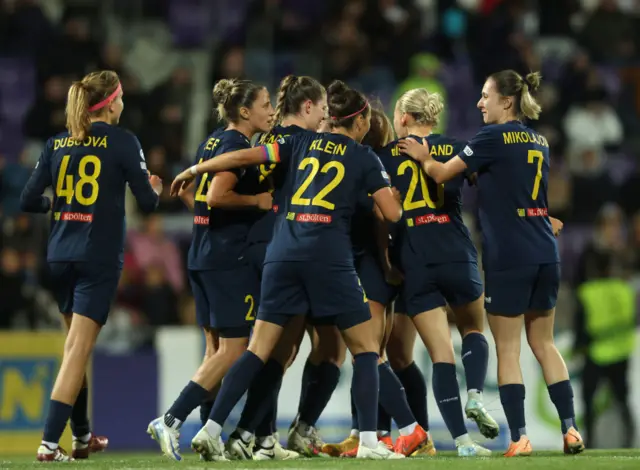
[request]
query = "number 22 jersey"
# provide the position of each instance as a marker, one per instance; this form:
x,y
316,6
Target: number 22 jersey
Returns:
x,y
325,173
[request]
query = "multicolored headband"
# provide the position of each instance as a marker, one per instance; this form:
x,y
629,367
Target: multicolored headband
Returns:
x,y
107,100
366,105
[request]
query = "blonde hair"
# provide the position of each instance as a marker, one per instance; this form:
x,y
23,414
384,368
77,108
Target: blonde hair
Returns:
x,y
423,106
91,90
511,83
229,95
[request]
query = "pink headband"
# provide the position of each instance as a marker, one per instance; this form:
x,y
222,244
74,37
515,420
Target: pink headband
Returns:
x,y
107,100
366,104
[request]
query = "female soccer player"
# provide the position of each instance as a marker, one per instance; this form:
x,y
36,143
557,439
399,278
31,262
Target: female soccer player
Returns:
x,y
89,167
439,263
309,264
225,287
301,105
370,248
521,262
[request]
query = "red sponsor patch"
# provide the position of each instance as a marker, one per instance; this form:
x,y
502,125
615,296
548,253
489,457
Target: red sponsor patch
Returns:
x,y
201,220
432,218
275,208
317,218
76,217
537,212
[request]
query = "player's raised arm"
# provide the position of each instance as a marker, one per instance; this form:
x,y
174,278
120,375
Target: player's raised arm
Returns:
x,y
31,199
440,172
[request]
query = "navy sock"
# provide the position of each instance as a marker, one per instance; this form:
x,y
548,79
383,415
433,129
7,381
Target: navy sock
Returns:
x,y
79,415
365,383
447,395
384,420
475,358
234,385
274,407
318,395
205,410
392,397
561,394
257,413
512,399
190,398
354,412
57,417
415,388
308,378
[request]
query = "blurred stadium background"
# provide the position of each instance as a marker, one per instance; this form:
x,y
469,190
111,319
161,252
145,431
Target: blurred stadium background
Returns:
x,y
170,52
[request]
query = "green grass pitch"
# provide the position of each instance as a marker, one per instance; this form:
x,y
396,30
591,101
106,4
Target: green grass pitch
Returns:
x,y
590,460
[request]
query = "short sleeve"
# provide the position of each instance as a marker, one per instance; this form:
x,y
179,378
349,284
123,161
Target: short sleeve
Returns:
x,y
279,151
375,176
136,173
231,145
480,152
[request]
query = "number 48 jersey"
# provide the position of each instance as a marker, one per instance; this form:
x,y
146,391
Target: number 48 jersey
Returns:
x,y
325,173
432,230
89,179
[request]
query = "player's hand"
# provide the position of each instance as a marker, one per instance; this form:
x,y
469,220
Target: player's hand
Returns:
x,y
156,184
393,276
265,201
181,182
396,194
414,149
556,225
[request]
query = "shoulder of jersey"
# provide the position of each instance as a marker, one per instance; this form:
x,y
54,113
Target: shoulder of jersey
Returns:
x,y
232,135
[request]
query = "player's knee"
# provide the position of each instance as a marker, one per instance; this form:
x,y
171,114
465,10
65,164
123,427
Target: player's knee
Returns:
x,y
541,347
508,348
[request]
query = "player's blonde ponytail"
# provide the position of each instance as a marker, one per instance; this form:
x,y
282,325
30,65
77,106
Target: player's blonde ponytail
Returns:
x,y
91,90
423,106
77,111
529,106
229,95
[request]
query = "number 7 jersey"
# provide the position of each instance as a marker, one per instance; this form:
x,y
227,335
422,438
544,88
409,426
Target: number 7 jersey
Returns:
x,y
432,230
325,173
512,162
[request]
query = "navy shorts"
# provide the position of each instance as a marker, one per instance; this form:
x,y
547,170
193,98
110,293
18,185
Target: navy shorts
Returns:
x,y
254,254
515,291
372,278
332,294
227,300
87,289
436,285
399,305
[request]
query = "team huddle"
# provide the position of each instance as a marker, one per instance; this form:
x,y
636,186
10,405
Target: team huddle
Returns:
x,y
331,226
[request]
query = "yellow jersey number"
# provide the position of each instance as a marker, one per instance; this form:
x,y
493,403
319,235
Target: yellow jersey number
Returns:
x,y
318,199
67,187
531,158
251,313
410,201
203,188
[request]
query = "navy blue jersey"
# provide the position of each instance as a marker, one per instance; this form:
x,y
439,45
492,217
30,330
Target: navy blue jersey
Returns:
x,y
432,230
271,178
89,180
363,237
325,174
220,235
512,162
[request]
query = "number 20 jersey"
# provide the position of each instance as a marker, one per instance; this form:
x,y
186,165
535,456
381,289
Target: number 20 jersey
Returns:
x,y
325,173
432,230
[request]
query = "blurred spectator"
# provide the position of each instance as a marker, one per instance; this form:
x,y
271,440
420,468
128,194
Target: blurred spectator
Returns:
x,y
46,117
152,248
13,177
159,300
158,165
608,33
13,299
589,173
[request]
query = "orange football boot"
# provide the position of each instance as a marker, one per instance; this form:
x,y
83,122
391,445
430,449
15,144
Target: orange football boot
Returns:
x,y
521,448
573,443
406,445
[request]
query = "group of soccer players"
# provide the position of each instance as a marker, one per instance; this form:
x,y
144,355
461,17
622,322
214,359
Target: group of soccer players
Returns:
x,y
327,225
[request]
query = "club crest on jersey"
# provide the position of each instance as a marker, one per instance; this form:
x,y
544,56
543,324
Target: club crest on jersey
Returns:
x,y
142,155
385,175
280,140
467,151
